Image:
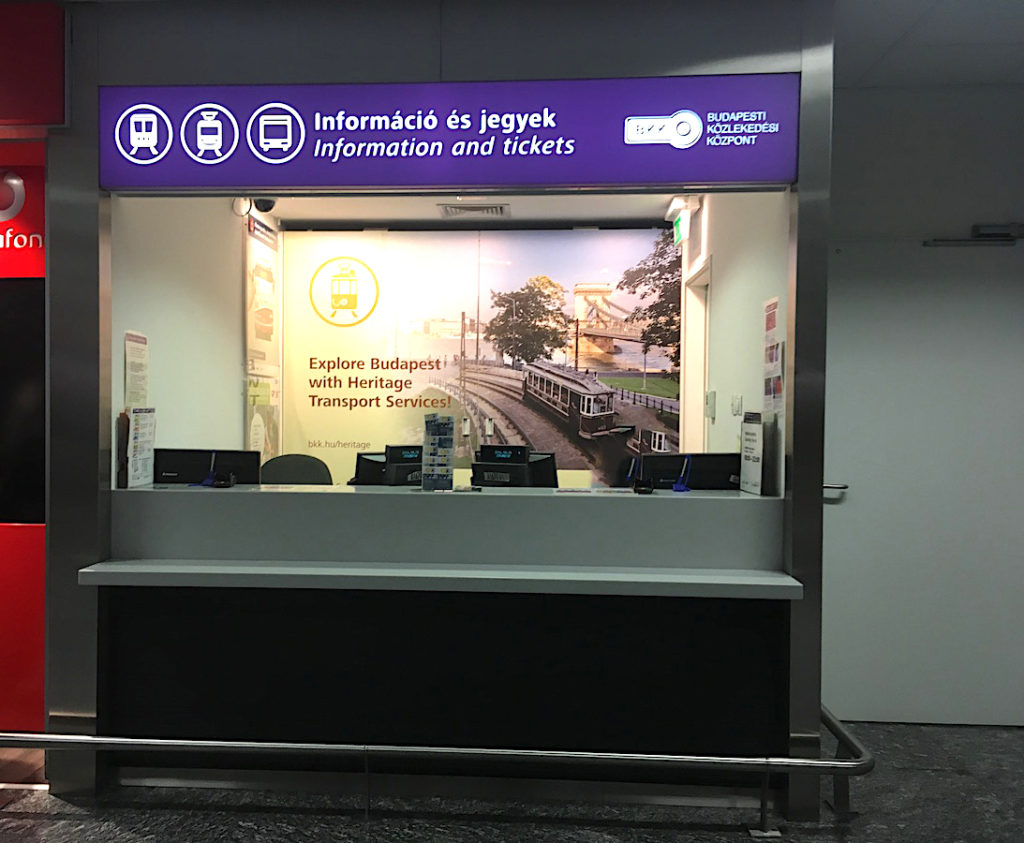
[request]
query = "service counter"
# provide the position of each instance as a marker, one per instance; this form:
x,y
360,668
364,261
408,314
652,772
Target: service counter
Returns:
x,y
601,541
599,620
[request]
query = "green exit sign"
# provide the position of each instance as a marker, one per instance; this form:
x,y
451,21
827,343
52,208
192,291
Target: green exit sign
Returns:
x,y
677,228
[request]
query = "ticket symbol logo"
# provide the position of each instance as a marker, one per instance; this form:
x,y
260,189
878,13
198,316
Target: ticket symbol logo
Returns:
x,y
682,129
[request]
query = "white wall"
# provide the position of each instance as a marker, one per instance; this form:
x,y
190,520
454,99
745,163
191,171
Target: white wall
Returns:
x,y
177,269
748,249
923,606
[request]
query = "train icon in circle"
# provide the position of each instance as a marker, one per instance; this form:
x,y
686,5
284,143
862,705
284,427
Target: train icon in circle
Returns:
x,y
143,134
209,133
12,195
275,133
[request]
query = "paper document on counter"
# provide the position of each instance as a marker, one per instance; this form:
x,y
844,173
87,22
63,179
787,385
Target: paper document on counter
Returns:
x,y
141,439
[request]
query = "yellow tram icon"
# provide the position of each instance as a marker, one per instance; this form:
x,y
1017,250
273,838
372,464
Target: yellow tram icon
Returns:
x,y
338,286
344,289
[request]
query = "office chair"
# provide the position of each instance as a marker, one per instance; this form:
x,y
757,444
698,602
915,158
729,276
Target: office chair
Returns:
x,y
297,469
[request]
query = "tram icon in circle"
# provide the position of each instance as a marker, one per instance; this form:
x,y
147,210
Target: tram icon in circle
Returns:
x,y
209,133
344,290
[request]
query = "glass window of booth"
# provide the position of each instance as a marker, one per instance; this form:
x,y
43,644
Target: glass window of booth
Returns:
x,y
294,332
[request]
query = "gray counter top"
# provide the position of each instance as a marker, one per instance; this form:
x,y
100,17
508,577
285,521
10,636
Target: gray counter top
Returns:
x,y
508,578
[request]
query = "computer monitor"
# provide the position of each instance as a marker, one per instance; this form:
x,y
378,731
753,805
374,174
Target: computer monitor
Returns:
x,y
543,471
696,471
369,469
714,471
195,465
181,465
500,474
403,465
245,465
663,470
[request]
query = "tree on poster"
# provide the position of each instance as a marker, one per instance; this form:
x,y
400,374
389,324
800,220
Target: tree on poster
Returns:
x,y
530,323
658,281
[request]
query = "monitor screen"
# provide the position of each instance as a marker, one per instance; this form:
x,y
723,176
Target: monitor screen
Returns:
x,y
403,453
504,453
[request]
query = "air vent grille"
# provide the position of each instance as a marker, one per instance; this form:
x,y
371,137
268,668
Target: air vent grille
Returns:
x,y
462,210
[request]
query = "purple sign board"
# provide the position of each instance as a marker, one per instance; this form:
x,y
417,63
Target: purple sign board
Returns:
x,y
649,132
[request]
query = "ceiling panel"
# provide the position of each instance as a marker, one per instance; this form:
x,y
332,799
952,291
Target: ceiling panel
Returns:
x,y
971,22
376,211
866,29
952,64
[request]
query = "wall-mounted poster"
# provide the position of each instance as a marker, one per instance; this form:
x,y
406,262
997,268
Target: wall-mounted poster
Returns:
x,y
263,332
537,338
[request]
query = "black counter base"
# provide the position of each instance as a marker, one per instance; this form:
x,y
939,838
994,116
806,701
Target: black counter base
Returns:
x,y
604,674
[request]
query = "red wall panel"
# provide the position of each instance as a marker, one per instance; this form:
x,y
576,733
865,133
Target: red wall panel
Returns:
x,y
32,65
22,585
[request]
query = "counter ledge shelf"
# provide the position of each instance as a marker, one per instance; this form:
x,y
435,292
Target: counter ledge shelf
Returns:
x,y
491,578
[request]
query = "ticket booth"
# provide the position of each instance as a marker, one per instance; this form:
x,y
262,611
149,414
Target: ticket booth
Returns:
x,y
316,262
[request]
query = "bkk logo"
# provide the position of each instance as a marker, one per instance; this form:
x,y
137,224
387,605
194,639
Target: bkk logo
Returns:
x,y
682,129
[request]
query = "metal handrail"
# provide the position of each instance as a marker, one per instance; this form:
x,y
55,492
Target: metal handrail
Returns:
x,y
852,758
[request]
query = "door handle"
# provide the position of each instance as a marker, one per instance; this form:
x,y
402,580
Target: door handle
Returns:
x,y
836,487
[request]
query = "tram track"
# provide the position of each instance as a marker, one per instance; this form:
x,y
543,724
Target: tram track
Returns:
x,y
539,432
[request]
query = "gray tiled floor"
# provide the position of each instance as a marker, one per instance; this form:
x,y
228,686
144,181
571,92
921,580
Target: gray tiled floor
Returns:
x,y
931,784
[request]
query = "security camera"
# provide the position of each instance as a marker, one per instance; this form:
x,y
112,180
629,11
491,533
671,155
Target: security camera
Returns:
x,y
264,206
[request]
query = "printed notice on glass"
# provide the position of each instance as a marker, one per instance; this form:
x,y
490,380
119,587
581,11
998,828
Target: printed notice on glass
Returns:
x,y
751,453
136,369
774,401
141,438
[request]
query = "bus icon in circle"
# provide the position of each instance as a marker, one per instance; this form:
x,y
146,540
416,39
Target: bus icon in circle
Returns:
x,y
143,134
275,133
